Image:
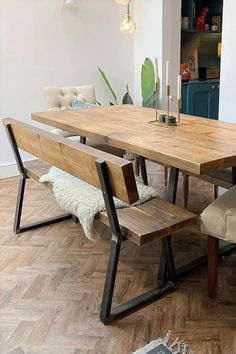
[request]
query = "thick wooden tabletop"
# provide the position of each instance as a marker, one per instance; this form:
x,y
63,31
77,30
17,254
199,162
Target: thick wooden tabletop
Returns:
x,y
197,145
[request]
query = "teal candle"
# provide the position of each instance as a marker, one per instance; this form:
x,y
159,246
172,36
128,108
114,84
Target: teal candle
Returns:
x,y
171,120
162,118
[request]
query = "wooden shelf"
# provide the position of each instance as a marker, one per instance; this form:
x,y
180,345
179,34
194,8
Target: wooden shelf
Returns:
x,y
201,31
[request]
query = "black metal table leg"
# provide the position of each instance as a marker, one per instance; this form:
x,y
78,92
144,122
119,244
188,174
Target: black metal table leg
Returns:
x,y
173,184
167,267
234,175
143,169
83,140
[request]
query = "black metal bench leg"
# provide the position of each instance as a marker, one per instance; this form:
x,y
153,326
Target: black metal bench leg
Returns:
x,y
108,314
20,197
105,314
19,204
17,228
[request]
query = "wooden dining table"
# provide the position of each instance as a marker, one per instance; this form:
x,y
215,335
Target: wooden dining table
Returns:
x,y
197,146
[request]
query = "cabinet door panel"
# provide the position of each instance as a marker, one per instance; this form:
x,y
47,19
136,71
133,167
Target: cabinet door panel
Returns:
x,y
216,100
200,100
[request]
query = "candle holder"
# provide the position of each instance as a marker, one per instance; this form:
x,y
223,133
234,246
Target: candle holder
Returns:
x,y
166,120
179,106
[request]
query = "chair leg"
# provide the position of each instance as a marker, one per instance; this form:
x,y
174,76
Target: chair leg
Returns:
x,y
185,189
166,172
216,191
213,252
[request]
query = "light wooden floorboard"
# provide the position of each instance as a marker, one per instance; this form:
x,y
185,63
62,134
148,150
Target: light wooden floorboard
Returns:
x,y
51,283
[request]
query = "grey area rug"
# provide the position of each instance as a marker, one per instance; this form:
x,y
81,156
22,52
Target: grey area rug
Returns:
x,y
163,346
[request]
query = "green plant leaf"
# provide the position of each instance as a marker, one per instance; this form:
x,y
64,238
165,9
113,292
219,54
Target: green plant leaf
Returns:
x,y
147,80
150,102
127,98
108,84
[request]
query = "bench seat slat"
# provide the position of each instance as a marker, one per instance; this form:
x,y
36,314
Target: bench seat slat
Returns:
x,y
154,219
36,169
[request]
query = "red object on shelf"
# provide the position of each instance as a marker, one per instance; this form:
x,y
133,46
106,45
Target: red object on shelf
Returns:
x,y
185,72
201,19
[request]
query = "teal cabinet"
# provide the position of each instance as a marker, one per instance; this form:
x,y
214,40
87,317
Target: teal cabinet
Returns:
x,y
201,98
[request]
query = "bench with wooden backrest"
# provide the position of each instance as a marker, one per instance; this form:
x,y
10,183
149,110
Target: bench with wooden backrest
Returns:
x,y
154,219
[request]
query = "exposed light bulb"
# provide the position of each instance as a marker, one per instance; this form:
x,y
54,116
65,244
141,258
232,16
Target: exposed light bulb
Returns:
x,y
128,26
69,3
122,2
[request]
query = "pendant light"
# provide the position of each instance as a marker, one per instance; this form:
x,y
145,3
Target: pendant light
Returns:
x,y
128,26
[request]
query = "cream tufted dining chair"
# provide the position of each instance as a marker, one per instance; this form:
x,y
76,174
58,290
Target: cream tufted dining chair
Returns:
x,y
218,221
61,98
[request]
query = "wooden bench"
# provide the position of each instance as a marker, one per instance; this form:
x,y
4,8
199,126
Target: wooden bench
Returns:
x,y
154,219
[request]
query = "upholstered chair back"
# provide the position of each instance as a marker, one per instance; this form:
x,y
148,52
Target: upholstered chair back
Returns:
x,y
61,98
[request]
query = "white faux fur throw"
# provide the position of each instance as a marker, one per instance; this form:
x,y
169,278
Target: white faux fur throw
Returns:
x,y
85,201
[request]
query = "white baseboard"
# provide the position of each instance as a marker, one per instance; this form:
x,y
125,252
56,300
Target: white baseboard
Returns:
x,y
7,171
10,170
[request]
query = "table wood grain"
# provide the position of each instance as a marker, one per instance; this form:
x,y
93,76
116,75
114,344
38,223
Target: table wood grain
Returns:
x,y
197,145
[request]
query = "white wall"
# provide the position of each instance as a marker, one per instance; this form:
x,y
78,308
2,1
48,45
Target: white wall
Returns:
x,y
43,43
228,72
147,38
158,35
171,34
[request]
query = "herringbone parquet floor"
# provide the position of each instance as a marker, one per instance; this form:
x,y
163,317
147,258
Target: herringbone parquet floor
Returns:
x,y
51,282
